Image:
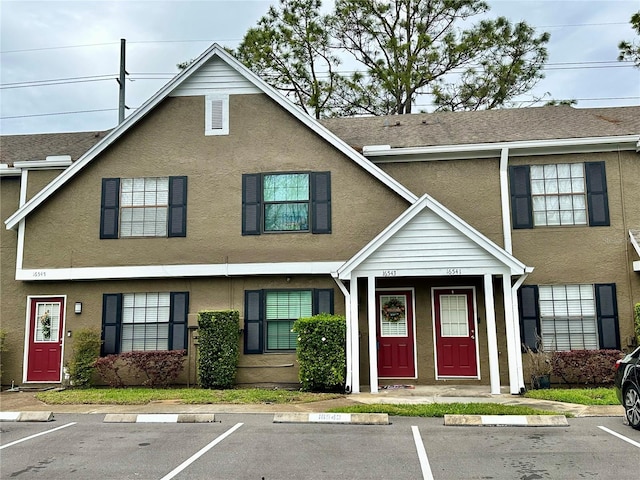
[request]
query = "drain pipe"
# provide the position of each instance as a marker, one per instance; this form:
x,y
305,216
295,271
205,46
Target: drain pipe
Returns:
x,y
504,200
516,333
347,310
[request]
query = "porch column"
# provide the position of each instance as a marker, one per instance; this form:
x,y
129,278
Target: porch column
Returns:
x,y
355,346
513,344
492,336
373,346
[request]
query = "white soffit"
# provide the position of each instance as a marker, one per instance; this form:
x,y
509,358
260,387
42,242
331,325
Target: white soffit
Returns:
x,y
171,86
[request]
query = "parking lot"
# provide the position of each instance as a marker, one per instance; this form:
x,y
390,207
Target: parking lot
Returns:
x,y
251,446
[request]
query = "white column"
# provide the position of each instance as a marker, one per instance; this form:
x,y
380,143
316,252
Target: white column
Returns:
x,y
349,349
492,336
373,344
513,344
355,337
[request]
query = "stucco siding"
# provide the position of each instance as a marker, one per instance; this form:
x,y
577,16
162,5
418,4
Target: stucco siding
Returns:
x,y
64,231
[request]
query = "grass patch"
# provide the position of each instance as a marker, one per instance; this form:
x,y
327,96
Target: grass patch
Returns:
x,y
442,409
581,396
142,396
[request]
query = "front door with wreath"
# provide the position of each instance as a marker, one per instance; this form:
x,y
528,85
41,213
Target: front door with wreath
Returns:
x,y
395,336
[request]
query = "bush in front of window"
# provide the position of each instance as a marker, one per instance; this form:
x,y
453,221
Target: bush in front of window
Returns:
x,y
218,338
586,367
86,350
321,352
154,368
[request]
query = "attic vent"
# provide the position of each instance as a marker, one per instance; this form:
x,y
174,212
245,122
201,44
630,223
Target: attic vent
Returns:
x,y
216,115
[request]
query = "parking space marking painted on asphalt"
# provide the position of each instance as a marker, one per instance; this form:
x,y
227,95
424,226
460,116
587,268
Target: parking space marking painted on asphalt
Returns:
x,y
37,435
200,452
621,437
422,454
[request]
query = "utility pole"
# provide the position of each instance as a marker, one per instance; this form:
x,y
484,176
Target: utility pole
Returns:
x,y
123,72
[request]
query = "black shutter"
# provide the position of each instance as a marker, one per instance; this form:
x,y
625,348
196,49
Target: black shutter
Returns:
x,y
111,322
253,319
321,202
529,311
607,312
251,204
521,203
109,208
597,200
322,301
178,320
177,226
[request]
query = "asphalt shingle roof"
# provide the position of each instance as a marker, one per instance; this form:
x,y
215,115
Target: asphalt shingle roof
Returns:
x,y
19,148
486,126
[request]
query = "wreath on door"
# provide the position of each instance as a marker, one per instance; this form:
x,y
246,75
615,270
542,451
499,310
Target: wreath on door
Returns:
x,y
393,310
45,321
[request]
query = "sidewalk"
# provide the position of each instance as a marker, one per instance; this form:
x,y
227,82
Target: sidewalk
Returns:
x,y
25,401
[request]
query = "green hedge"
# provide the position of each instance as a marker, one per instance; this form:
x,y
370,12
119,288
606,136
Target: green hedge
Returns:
x,y
321,352
218,338
86,350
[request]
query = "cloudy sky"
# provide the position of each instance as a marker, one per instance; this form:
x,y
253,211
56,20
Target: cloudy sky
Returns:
x,y
59,59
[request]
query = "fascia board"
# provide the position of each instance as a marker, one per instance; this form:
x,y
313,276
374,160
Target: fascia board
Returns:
x,y
43,164
10,172
516,149
141,112
177,271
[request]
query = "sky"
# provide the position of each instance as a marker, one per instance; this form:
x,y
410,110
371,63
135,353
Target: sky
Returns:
x,y
59,60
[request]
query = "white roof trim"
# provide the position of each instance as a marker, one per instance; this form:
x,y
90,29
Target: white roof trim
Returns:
x,y
426,201
519,148
173,271
149,105
6,171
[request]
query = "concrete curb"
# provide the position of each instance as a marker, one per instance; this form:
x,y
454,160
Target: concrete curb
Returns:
x,y
159,418
26,416
335,418
507,420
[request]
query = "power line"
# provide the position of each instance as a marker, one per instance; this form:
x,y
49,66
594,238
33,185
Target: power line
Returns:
x,y
60,113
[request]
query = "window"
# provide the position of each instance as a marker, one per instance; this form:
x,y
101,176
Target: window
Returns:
x,y
144,321
216,120
559,194
143,207
286,202
270,314
282,309
569,317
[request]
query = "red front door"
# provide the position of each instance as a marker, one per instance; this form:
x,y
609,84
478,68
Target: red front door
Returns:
x,y
395,334
455,333
45,339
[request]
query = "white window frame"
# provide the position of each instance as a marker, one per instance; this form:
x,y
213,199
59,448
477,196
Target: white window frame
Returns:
x,y
208,115
549,196
132,207
151,309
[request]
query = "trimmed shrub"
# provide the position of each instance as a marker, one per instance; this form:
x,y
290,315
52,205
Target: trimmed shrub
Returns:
x,y
321,352
86,350
218,338
160,368
586,367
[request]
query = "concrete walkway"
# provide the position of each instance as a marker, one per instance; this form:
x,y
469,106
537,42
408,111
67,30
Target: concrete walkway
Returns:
x,y
25,401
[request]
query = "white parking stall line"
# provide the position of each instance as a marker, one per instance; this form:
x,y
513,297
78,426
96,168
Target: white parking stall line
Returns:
x,y
200,452
37,435
621,437
422,454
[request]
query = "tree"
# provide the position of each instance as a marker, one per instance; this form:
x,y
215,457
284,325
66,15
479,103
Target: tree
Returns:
x,y
412,47
630,51
292,50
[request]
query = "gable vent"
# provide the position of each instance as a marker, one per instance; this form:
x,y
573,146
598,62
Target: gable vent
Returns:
x,y
216,115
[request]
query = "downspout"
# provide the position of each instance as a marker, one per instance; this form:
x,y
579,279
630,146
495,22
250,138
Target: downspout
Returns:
x,y
347,310
516,326
504,200
21,226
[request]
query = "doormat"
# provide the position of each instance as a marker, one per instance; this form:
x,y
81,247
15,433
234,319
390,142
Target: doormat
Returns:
x,y
396,387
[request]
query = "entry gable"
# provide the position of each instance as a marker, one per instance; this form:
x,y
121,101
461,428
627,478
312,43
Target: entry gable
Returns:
x,y
429,240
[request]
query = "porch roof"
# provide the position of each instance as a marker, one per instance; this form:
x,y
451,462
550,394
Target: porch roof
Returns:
x,y
430,240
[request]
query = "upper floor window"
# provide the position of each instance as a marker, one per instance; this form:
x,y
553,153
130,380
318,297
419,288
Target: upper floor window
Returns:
x,y
286,202
143,207
559,194
569,317
144,321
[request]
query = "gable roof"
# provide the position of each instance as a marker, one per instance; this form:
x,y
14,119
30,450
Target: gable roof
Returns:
x,y
486,126
426,202
212,52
